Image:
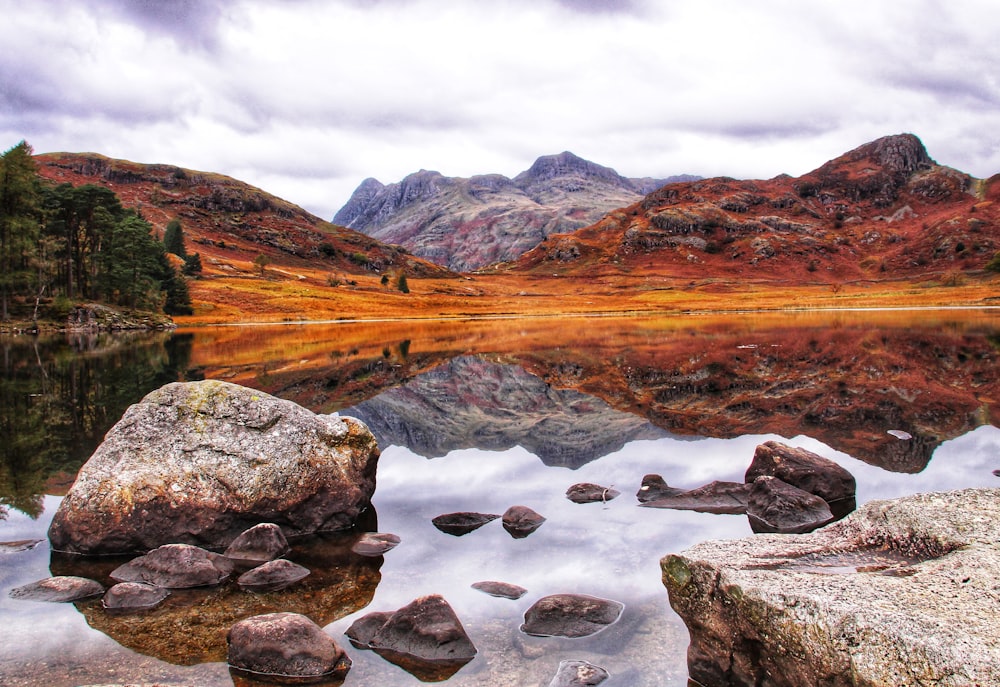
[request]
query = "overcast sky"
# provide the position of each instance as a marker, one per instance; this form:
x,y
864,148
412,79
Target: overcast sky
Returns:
x,y
306,98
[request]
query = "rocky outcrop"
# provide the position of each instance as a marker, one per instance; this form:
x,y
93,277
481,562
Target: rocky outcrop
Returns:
x,y
467,223
901,592
200,462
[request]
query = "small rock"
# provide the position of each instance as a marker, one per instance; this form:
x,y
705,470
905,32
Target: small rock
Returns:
x,y
654,487
273,576
587,492
176,566
501,589
804,469
259,544
133,596
364,628
715,497
520,521
570,615
776,506
578,674
59,589
285,647
996,473
375,543
458,524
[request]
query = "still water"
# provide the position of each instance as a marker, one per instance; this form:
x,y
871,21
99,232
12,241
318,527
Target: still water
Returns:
x,y
480,416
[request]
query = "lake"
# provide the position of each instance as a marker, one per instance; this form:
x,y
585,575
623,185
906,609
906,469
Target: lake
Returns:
x,y
479,416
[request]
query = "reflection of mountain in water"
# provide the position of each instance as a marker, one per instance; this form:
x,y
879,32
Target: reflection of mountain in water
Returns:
x,y
471,402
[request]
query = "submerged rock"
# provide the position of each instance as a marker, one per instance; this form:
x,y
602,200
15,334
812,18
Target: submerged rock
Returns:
x,y
272,576
224,456
259,544
134,596
362,631
176,566
458,524
58,589
502,589
520,521
570,615
19,545
375,543
578,674
775,506
715,497
285,647
586,492
900,592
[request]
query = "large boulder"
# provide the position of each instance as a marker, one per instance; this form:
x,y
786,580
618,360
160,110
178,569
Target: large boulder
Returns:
x,y
901,592
285,648
200,462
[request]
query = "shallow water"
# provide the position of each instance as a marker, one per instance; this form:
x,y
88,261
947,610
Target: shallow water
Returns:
x,y
481,400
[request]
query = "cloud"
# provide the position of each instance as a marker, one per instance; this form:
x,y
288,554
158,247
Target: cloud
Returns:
x,y
307,98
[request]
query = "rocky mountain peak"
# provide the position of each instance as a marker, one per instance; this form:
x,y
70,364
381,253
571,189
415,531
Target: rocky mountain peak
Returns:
x,y
362,196
901,153
567,164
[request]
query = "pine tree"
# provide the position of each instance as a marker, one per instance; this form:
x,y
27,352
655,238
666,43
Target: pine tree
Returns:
x,y
173,238
19,205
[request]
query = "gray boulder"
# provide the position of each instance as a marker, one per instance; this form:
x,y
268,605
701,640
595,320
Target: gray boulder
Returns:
x,y
901,592
200,462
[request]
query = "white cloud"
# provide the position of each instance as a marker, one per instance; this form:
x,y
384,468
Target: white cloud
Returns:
x,y
307,98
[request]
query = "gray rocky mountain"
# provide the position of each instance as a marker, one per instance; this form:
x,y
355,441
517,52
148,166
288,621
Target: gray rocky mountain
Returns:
x,y
468,223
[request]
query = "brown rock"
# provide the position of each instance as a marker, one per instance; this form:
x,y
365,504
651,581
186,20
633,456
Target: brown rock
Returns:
x,y
520,521
285,647
570,615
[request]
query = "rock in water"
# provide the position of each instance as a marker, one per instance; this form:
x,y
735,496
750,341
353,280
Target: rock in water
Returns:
x,y
273,576
803,469
259,544
375,543
503,590
200,462
520,521
578,674
570,615
133,596
901,592
60,589
775,506
176,566
587,492
457,524
285,647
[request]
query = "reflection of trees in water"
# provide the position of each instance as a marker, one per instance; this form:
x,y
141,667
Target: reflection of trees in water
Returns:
x,y
59,395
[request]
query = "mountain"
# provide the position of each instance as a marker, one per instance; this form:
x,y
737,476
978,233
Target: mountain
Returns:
x,y
883,210
467,223
229,221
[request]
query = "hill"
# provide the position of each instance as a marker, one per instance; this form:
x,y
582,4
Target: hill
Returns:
x,y
467,223
884,210
229,222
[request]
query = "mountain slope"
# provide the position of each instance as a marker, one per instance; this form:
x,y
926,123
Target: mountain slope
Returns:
x,y
884,209
468,223
228,221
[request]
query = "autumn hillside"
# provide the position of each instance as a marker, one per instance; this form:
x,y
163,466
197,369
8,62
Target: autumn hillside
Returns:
x,y
883,211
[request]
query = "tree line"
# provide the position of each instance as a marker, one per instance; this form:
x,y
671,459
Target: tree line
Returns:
x,y
61,244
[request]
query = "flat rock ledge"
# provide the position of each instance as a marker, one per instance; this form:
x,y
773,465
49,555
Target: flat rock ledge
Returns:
x,y
902,592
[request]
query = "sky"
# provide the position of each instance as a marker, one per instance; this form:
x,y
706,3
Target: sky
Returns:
x,y
307,98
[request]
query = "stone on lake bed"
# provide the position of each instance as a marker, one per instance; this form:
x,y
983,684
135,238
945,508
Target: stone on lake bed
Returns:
x,y
587,492
259,544
58,589
133,596
457,524
375,543
272,576
578,674
501,589
200,462
176,566
570,615
285,647
520,521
